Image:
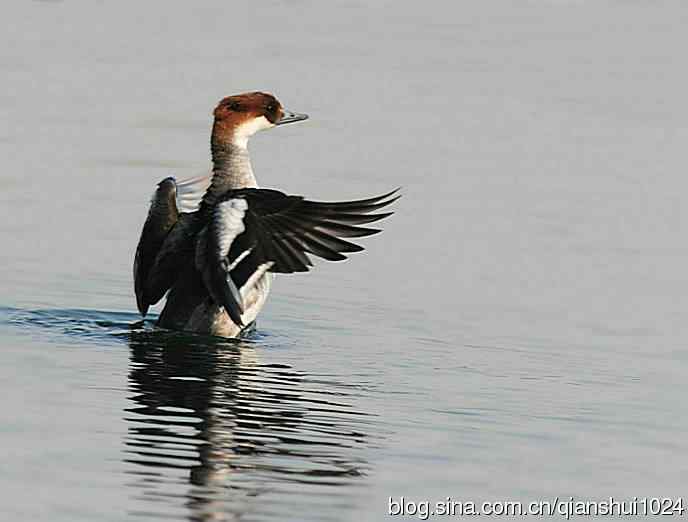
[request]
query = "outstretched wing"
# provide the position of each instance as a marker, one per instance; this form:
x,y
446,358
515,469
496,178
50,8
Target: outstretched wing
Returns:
x,y
162,216
251,231
164,233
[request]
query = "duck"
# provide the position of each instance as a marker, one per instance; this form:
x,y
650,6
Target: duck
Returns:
x,y
212,244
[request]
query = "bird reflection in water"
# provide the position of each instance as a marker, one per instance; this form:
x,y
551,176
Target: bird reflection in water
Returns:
x,y
214,431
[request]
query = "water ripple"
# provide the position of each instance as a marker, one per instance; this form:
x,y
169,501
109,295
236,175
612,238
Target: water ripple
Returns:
x,y
213,431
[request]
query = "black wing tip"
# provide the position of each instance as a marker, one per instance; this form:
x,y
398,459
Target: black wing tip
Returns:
x,y
168,180
384,204
396,190
388,197
378,217
141,305
353,248
388,194
367,232
375,200
333,256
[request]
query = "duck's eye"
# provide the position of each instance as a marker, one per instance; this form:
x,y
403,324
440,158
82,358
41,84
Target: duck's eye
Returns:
x,y
234,106
271,108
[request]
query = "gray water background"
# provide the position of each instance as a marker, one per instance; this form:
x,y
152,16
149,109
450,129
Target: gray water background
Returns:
x,y
517,332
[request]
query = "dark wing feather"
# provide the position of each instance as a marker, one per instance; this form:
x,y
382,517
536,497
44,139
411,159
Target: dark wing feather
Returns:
x,y
162,216
292,227
311,226
277,231
174,255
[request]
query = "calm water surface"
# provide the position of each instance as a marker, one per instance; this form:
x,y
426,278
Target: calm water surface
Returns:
x,y
517,332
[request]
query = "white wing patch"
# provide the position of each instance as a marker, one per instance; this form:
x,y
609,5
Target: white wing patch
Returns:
x,y
239,258
190,192
229,217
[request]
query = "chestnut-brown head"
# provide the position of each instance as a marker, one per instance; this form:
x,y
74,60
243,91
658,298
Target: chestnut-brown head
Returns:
x,y
239,117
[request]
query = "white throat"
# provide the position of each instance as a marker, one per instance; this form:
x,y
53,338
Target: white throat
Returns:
x,y
244,131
